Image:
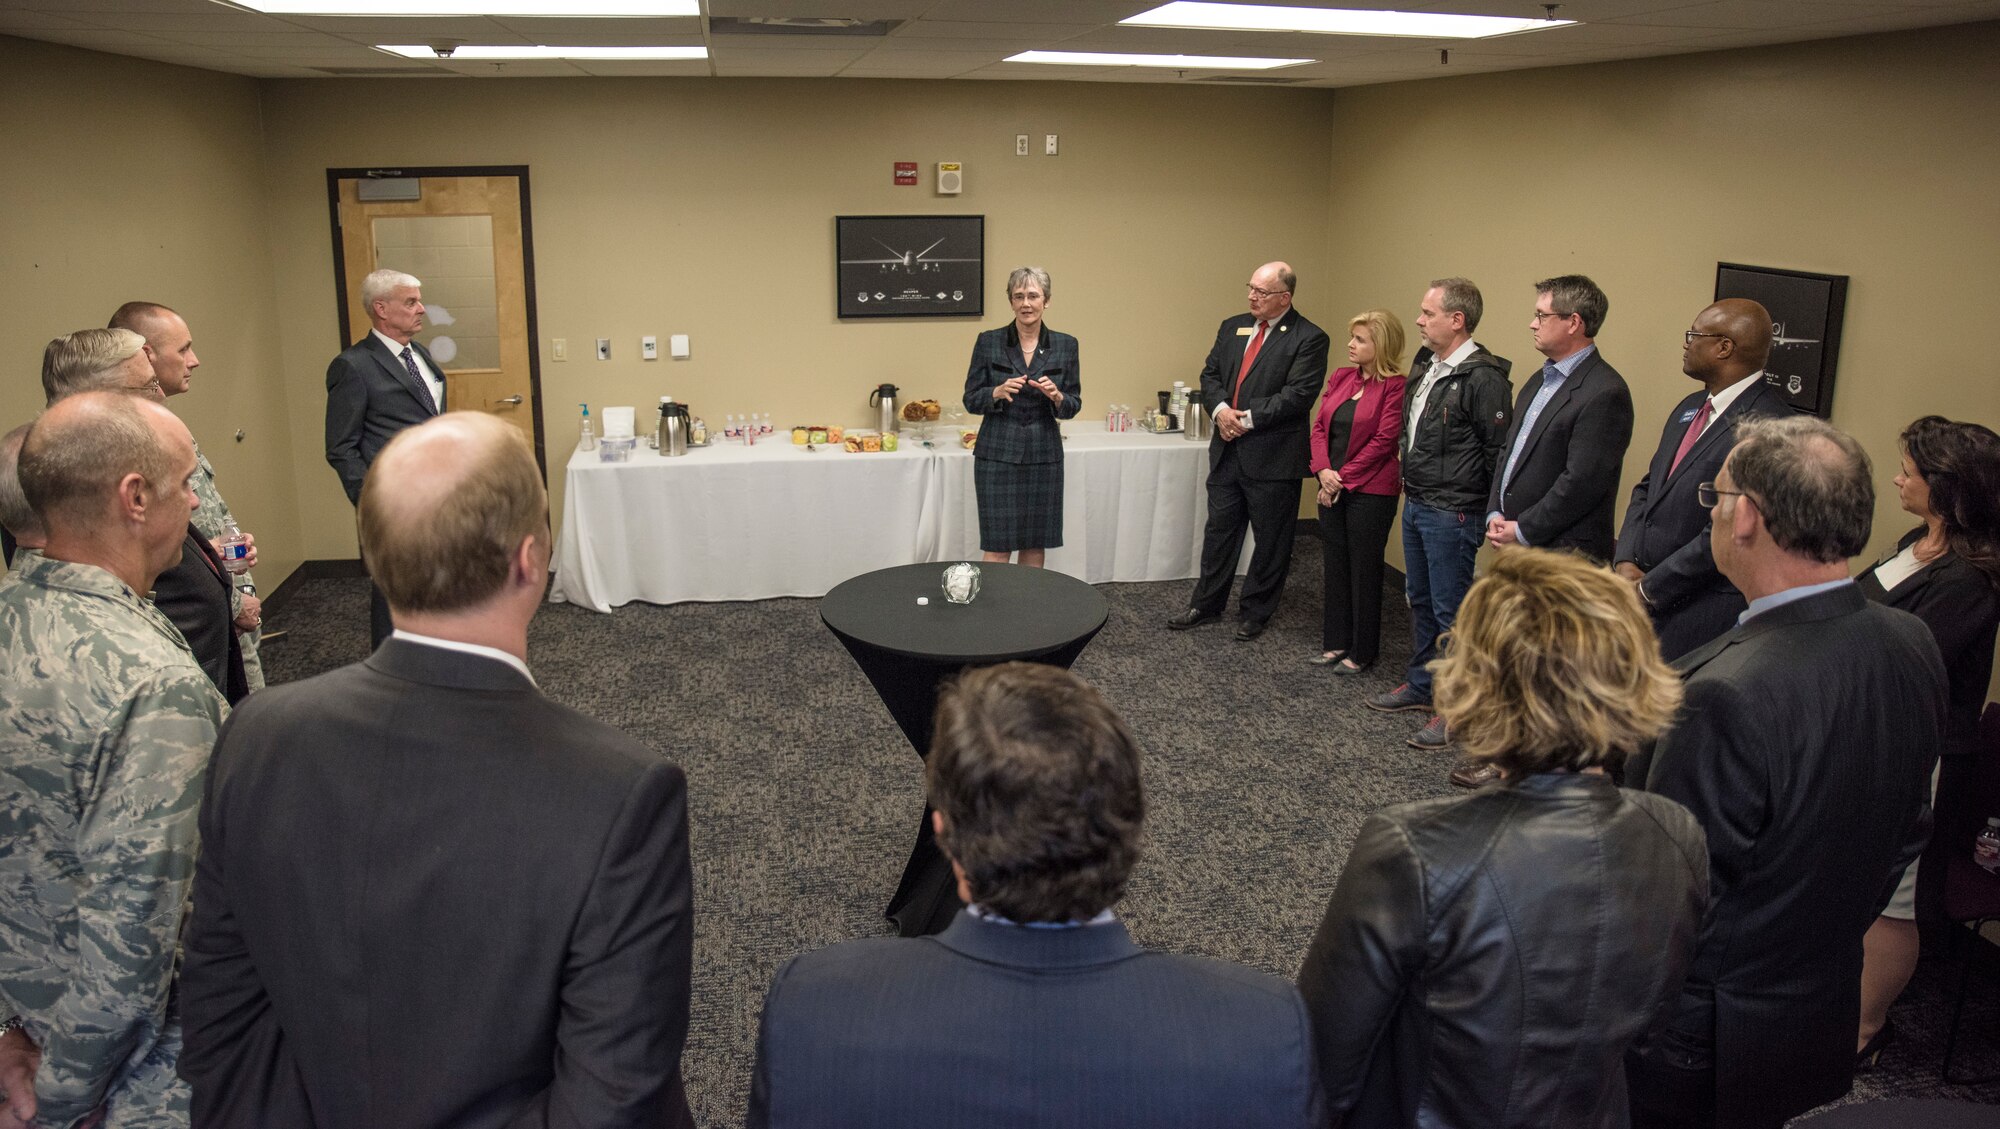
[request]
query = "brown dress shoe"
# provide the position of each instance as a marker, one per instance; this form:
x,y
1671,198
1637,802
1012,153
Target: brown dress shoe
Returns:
x,y
1474,774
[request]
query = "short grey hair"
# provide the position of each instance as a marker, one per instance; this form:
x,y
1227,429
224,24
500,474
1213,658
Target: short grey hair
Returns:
x,y
381,283
1576,294
1036,275
15,512
84,361
1459,295
1811,481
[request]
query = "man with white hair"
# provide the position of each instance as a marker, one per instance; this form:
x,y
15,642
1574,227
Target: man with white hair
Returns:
x,y
375,388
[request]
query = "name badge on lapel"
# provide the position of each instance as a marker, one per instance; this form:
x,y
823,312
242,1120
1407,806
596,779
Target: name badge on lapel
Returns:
x,y
1688,416
1243,332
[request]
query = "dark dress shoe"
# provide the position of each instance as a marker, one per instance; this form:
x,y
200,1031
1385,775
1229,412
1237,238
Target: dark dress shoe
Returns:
x,y
1474,774
1192,617
1350,668
1324,659
1250,629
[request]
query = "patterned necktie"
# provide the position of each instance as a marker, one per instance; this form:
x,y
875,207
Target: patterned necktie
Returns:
x,y
1249,358
423,386
1693,433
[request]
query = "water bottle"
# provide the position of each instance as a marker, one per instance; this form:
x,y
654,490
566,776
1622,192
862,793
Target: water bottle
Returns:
x,y
587,441
729,428
1986,848
766,428
234,548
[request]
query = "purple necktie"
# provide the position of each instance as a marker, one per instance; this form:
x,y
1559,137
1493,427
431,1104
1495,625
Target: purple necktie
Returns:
x,y
423,386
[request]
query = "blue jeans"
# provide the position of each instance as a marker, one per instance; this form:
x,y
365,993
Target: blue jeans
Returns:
x,y
1439,547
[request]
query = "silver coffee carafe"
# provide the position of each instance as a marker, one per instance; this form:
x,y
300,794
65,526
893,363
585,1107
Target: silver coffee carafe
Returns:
x,y
884,397
1195,423
674,427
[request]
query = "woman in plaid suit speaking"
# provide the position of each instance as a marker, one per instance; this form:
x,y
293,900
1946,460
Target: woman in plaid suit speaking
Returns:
x,y
1022,379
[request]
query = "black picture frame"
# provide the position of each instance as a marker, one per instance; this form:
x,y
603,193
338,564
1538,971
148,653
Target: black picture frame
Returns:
x,y
910,266
1806,314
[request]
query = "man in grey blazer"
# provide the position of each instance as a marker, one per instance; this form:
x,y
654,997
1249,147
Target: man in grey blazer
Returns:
x,y
1664,547
1804,747
375,388
1034,1007
427,895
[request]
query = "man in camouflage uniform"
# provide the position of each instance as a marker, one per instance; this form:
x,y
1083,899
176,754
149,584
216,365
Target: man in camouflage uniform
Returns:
x,y
170,348
101,770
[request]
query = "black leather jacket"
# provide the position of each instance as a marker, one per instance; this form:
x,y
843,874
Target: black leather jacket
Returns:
x,y
1487,959
1449,454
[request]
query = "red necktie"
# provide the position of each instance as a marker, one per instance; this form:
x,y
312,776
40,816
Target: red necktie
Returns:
x,y
1693,433
1249,358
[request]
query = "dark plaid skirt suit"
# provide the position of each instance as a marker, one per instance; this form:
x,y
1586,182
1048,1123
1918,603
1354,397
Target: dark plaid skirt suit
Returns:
x,y
1017,468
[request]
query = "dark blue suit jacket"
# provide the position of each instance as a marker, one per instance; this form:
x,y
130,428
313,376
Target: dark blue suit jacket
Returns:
x,y
1565,483
1000,1025
1666,529
1278,392
1023,429
370,397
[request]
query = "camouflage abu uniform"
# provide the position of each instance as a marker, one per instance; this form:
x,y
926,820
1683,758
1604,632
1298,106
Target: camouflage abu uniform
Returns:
x,y
110,723
212,518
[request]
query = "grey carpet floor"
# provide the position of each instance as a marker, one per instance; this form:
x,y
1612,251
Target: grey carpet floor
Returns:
x,y
805,796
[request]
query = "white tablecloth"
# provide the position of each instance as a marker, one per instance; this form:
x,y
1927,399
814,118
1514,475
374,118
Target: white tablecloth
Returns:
x,y
749,523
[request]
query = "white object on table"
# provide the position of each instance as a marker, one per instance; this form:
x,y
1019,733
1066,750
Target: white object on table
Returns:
x,y
617,423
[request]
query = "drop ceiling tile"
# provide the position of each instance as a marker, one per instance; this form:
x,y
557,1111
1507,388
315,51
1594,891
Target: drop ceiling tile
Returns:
x,y
646,68
1037,11
239,40
795,64
534,68
102,39
538,28
911,66
27,23
472,29
169,7
945,29
794,9
216,18
794,42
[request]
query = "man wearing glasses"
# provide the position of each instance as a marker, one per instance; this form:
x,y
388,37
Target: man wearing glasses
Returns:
x,y
1664,546
1259,383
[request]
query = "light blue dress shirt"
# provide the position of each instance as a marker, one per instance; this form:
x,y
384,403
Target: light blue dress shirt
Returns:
x,y
1554,375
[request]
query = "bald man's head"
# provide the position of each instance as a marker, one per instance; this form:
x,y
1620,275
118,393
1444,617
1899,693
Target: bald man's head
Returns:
x,y
445,508
112,469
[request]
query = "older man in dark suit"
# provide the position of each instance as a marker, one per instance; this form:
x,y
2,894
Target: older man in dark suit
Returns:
x,y
427,895
1259,382
375,388
1034,1007
1664,546
1804,746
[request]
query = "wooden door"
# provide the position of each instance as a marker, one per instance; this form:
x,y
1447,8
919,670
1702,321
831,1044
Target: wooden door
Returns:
x,y
464,239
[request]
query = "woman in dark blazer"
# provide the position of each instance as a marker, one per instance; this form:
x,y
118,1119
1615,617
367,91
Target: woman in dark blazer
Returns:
x,y
1488,958
1022,379
1945,572
1354,440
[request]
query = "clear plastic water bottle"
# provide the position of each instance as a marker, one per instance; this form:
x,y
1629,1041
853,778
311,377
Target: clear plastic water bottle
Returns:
x,y
1986,848
234,548
729,428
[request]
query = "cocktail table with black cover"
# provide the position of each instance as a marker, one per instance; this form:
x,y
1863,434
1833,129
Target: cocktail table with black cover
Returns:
x,y
907,650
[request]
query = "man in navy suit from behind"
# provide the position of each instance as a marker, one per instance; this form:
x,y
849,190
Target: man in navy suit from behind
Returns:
x,y
375,388
1035,1007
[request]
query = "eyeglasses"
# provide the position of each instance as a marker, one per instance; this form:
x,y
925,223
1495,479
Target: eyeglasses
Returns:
x,y
1541,317
1709,496
1260,292
1692,334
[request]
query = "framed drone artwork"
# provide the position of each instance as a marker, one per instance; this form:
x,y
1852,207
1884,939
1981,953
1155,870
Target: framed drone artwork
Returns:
x,y
1806,312
910,266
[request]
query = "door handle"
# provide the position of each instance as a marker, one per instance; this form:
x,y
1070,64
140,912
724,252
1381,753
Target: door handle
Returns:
x,y
514,399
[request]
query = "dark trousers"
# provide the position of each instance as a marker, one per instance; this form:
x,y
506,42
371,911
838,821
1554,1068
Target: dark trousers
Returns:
x,y
1269,509
1439,549
1354,530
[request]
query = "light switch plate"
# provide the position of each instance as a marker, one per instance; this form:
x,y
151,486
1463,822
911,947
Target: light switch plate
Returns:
x,y
604,348
559,348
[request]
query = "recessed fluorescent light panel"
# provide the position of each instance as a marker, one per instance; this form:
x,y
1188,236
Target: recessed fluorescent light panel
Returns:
x,y
1177,62
473,53
586,8
1335,21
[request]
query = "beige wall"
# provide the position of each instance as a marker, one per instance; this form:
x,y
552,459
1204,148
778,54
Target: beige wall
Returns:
x,y
1870,157
706,207
128,179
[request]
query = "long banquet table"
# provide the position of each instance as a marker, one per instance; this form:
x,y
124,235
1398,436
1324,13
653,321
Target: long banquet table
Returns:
x,y
731,522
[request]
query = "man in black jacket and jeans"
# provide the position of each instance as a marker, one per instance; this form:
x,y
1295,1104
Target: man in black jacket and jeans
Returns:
x,y
1455,419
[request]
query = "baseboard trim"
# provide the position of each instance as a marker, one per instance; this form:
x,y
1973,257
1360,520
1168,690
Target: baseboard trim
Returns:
x,y
347,569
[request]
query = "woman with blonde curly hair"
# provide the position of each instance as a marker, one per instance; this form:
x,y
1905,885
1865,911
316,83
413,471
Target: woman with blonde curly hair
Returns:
x,y
1487,959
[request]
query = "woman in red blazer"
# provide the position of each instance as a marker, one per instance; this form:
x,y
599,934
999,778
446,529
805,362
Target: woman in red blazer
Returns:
x,y
1354,445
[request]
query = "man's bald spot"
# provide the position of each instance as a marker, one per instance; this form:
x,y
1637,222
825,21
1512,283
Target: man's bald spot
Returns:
x,y
84,445
1748,324
431,462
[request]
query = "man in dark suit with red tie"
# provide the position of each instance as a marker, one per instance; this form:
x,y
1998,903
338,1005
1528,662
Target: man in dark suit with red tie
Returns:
x,y
1664,546
375,388
1259,383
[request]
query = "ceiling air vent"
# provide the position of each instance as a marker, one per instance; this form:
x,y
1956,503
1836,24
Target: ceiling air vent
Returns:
x,y
800,25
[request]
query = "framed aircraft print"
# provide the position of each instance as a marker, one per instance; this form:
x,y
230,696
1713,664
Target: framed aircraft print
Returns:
x,y
910,266
1806,311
